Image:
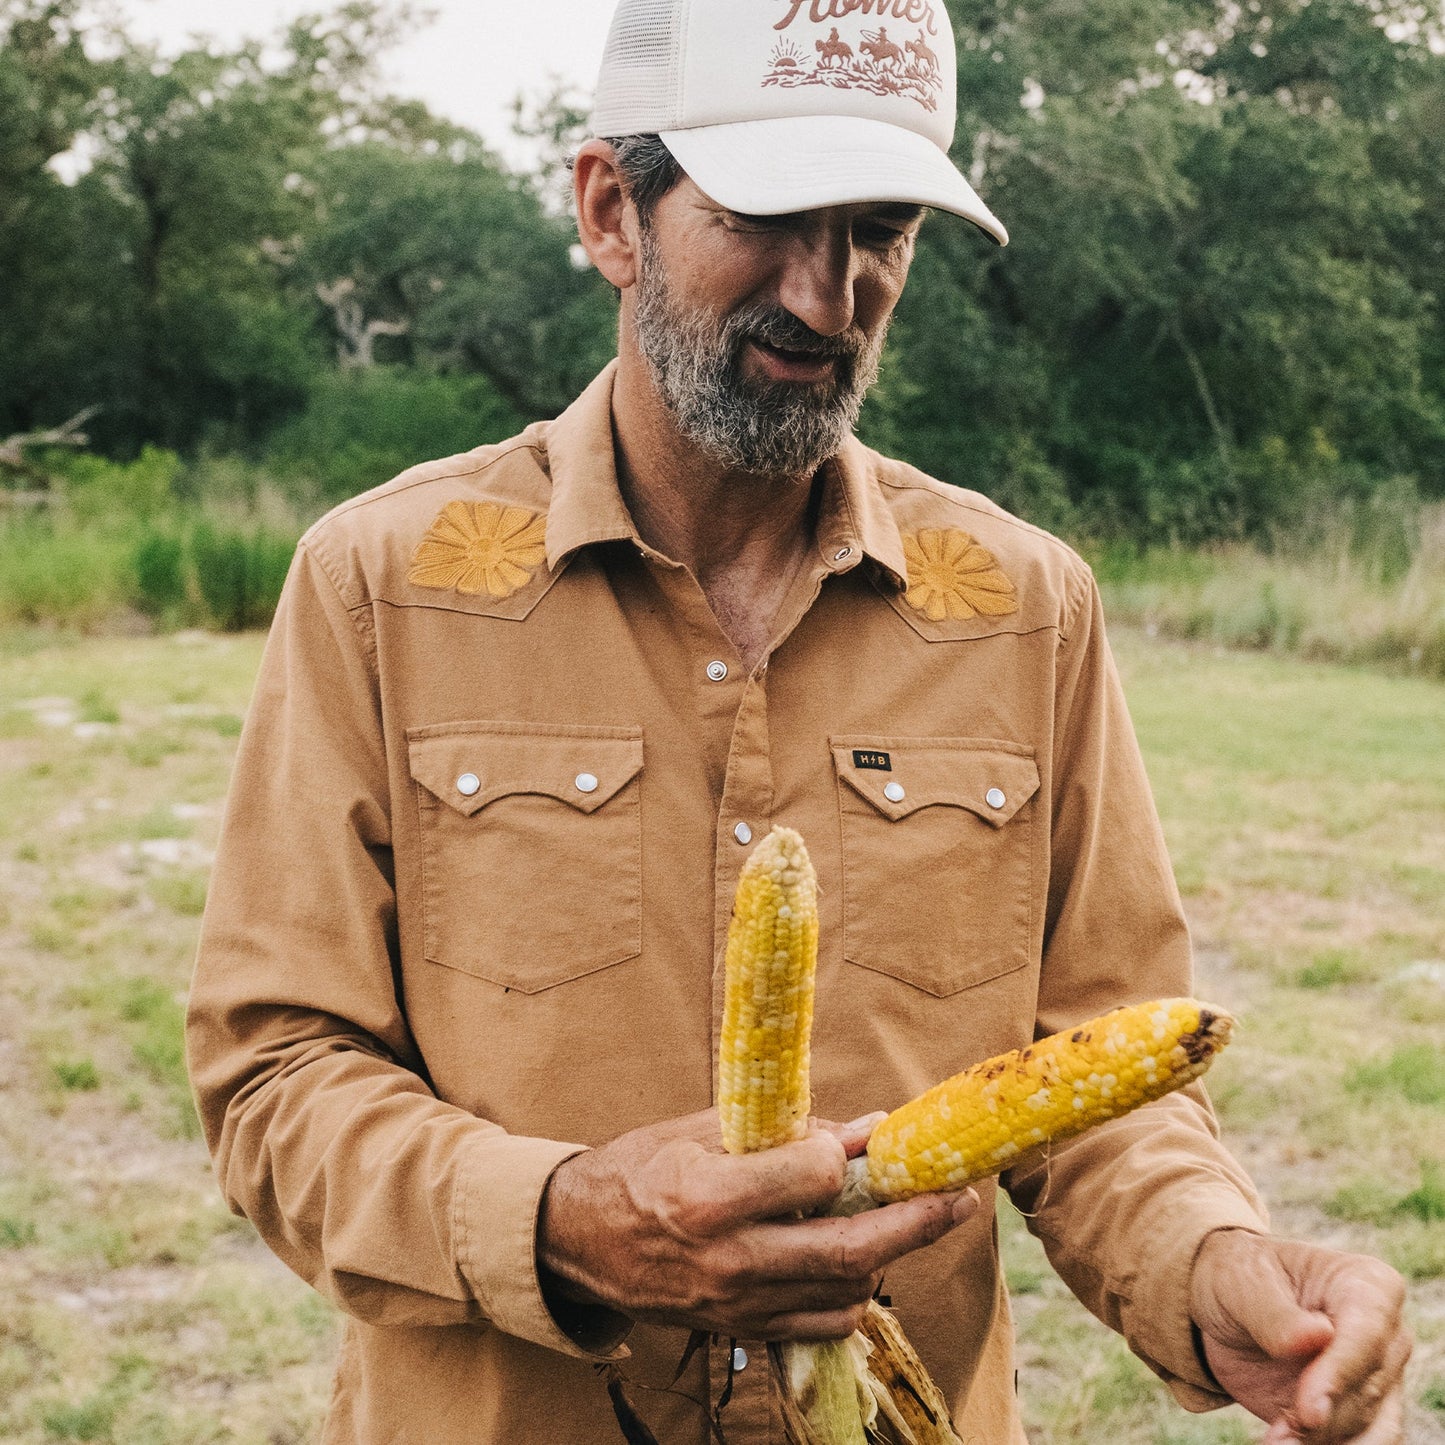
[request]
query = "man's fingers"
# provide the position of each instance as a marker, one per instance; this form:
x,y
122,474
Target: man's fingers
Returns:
x,y
853,1136
1368,1340
1248,1299
1389,1426
821,1249
823,1325
811,1296
1348,1409
800,1177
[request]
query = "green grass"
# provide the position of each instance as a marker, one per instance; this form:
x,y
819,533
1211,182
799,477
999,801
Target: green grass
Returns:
x,y
1415,1072
1333,595
76,1074
1334,968
1427,1203
184,893
1303,806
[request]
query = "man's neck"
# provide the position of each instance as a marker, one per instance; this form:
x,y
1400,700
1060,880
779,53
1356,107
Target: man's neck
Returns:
x,y
742,536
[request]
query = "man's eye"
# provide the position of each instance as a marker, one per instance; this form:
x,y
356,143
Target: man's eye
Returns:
x,y
877,237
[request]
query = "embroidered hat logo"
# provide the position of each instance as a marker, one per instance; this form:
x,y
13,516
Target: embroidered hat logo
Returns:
x,y
911,12
879,65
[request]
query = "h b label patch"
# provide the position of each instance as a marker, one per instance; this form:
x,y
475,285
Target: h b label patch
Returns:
x,y
878,762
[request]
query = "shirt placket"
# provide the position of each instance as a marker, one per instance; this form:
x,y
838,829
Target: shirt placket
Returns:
x,y
738,1369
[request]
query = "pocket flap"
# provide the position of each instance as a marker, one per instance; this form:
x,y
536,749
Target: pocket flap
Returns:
x,y
898,776
468,765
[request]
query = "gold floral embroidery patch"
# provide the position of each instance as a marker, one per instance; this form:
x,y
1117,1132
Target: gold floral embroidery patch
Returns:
x,y
476,547
950,575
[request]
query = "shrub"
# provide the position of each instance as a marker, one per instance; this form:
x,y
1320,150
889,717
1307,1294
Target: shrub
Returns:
x,y
362,427
52,572
159,566
240,571
99,490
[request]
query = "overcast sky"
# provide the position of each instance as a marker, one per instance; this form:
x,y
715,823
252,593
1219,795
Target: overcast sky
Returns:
x,y
467,64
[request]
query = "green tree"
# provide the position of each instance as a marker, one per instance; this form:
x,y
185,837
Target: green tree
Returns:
x,y
462,266
60,272
1221,284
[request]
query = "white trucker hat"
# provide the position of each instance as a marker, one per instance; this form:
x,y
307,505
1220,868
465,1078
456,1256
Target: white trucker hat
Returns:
x,y
773,106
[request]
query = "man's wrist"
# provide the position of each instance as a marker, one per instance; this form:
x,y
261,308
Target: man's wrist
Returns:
x,y
1201,1348
582,1315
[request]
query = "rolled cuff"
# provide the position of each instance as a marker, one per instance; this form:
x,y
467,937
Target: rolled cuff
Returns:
x,y
498,1199
1175,1351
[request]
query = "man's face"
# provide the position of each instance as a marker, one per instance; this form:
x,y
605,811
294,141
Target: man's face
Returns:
x,y
763,334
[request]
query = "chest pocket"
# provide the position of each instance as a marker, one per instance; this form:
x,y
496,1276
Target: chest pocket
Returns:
x,y
531,842
937,857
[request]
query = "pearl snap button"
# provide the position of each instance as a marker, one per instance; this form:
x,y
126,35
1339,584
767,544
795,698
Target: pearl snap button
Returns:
x,y
717,671
843,554
586,783
740,1358
469,785
894,793
743,834
995,798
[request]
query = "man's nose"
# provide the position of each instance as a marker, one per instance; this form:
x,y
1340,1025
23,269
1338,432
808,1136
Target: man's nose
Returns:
x,y
817,281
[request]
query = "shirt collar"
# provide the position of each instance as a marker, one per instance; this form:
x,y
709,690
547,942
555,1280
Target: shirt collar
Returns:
x,y
586,503
854,520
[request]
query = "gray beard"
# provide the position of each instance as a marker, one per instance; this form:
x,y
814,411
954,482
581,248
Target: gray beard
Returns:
x,y
769,428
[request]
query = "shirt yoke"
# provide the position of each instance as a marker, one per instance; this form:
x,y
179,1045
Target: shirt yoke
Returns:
x,y
404,542
368,544
1051,581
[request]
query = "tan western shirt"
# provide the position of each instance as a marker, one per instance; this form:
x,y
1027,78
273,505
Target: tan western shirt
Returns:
x,y
500,773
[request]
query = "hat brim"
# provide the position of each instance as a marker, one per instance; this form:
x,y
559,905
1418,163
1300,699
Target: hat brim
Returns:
x,y
805,162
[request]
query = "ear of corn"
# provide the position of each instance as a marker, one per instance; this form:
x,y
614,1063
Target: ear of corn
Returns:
x,y
764,1096
772,954
979,1121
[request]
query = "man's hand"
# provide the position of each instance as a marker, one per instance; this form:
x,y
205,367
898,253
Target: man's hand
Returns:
x,y
1308,1338
661,1225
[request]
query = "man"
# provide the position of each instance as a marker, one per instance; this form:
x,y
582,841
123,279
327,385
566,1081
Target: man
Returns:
x,y
523,713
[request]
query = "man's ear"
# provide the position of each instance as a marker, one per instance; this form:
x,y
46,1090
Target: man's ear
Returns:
x,y
606,219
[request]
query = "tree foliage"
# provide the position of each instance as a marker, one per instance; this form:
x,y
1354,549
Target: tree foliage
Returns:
x,y
1221,304
1221,293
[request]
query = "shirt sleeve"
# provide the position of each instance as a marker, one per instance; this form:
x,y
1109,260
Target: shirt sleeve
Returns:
x,y
1123,1209
401,1208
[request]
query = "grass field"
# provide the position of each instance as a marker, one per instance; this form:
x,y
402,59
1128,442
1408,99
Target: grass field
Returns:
x,y
1305,806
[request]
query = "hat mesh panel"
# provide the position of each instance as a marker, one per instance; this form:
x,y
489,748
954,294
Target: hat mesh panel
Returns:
x,y
641,73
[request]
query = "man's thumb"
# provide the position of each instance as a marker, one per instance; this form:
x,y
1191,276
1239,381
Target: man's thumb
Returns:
x,y
1249,1300
1280,1327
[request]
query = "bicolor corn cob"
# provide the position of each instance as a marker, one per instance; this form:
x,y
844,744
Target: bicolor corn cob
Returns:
x,y
764,1095
772,955
979,1121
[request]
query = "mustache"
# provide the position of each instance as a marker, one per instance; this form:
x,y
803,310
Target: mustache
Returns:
x,y
777,327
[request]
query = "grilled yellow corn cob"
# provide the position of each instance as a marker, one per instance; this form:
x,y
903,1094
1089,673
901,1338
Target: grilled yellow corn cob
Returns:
x,y
772,955
979,1121
973,1125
